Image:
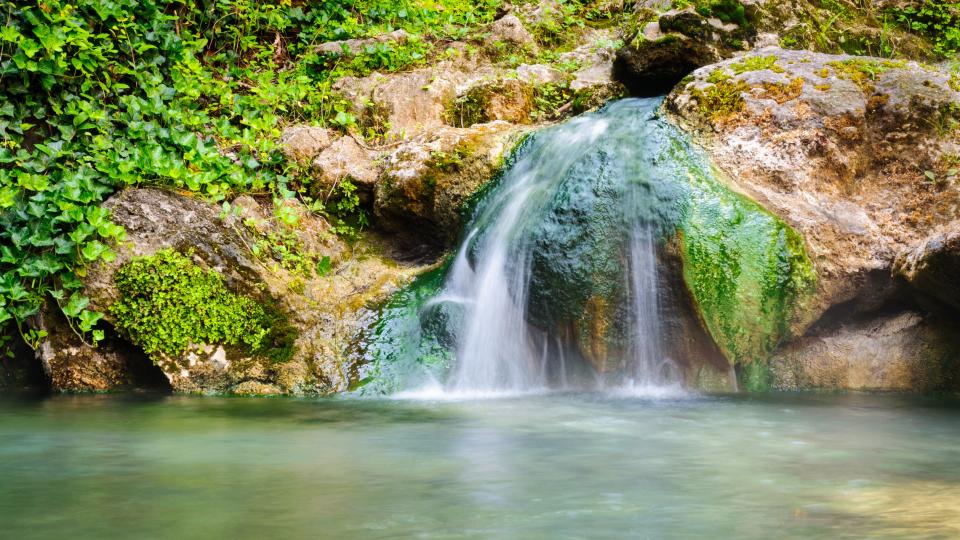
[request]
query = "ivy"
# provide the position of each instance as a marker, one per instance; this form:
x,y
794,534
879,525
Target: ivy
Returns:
x,y
98,95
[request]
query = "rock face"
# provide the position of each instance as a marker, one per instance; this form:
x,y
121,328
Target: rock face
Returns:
x,y
933,266
321,310
661,52
427,181
902,351
839,147
303,143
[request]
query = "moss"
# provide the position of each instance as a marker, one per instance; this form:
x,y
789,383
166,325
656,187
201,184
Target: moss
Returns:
x,y
782,93
397,352
864,72
168,303
954,82
823,87
747,270
754,377
721,100
718,75
756,63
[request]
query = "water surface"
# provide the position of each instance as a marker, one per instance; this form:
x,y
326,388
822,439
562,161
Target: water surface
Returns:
x,y
543,466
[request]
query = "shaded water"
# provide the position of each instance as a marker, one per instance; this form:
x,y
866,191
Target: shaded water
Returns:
x,y
553,466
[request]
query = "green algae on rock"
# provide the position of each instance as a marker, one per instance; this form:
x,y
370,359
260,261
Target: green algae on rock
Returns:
x,y
405,345
747,270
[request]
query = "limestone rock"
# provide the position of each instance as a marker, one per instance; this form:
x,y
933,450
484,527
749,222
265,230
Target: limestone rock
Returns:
x,y
538,74
510,30
322,311
356,46
71,365
510,100
427,180
933,265
661,53
835,146
906,351
345,159
303,143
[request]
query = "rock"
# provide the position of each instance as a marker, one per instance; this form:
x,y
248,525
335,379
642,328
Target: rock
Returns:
x,y
905,351
510,100
428,180
933,265
595,61
836,146
303,143
650,68
661,53
538,74
411,103
510,30
834,151
319,312
70,365
345,159
356,46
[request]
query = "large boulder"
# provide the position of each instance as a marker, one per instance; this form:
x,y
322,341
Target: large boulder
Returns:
x,y
660,52
839,148
428,180
299,284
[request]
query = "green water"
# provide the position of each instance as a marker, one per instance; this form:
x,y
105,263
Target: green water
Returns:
x,y
550,466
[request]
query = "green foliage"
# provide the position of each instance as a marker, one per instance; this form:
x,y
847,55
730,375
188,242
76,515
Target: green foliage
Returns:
x,y
99,95
939,21
168,303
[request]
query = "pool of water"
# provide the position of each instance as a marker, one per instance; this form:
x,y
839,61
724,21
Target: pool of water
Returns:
x,y
547,466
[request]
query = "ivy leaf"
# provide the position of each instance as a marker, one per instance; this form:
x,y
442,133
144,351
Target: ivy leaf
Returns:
x,y
29,47
92,251
76,305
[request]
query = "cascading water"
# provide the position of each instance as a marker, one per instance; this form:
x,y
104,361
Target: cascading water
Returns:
x,y
576,213
577,268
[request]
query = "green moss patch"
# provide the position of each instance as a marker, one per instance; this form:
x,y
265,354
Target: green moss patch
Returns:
x,y
168,303
756,63
747,270
864,72
722,99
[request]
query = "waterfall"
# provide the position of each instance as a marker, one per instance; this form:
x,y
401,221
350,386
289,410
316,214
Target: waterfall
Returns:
x,y
500,346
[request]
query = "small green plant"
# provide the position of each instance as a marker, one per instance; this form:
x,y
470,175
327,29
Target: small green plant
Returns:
x,y
864,72
168,303
937,20
721,100
756,63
